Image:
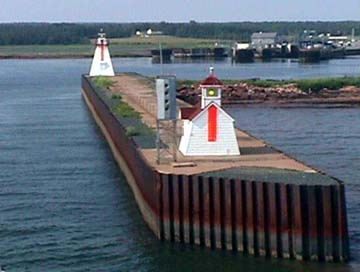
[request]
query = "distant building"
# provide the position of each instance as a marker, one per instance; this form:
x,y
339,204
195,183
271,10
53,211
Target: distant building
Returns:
x,y
265,39
151,32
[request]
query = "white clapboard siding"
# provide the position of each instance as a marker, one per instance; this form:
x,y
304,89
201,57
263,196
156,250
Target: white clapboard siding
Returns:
x,y
195,139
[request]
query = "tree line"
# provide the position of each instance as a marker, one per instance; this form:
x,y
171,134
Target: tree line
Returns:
x,y
79,33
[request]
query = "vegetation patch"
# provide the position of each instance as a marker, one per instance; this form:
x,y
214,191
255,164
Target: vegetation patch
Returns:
x,y
124,110
266,83
79,33
306,85
130,119
116,96
143,135
316,85
132,131
166,41
103,82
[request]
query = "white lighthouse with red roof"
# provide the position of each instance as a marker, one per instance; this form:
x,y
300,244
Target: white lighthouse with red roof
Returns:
x,y
101,64
208,129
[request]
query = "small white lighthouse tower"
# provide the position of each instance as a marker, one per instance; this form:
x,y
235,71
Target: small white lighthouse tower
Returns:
x,y
208,129
211,90
101,64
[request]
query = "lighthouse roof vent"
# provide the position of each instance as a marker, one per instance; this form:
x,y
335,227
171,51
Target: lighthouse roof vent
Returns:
x,y
211,80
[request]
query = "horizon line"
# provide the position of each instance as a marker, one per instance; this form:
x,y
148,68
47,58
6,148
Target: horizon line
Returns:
x,y
179,22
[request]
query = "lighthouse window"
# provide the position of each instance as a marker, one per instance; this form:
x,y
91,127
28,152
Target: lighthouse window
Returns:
x,y
212,92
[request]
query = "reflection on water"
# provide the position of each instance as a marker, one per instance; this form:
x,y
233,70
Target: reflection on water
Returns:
x,y
191,60
224,68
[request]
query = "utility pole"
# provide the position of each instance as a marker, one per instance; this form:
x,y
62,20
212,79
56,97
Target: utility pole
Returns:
x,y
161,59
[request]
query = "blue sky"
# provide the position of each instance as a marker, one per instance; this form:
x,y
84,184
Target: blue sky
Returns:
x,y
177,11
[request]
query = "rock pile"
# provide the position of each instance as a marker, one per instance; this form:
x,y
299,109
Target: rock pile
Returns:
x,y
244,92
350,91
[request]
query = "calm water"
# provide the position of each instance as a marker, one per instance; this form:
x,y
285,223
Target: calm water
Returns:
x,y
280,69
65,206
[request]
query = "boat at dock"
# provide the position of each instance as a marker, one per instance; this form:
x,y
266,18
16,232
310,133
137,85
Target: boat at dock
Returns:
x,y
353,48
195,53
310,52
242,52
220,52
165,54
244,55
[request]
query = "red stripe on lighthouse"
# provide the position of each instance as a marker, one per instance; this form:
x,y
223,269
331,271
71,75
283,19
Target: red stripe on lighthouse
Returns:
x,y
212,123
102,50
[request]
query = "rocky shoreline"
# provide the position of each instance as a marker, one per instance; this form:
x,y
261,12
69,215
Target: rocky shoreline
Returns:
x,y
245,93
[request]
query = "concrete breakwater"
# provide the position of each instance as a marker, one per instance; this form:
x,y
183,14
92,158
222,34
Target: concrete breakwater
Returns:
x,y
265,204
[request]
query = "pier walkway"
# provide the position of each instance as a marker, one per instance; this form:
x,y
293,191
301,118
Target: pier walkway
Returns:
x,y
139,93
262,202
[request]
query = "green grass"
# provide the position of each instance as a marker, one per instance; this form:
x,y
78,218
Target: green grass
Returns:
x,y
128,117
131,46
255,82
132,131
166,41
124,110
116,96
319,84
306,85
103,82
76,49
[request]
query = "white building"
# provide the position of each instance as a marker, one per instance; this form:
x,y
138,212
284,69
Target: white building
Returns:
x,y
102,64
265,39
208,129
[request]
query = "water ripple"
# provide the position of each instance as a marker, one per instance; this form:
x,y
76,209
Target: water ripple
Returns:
x,y
65,206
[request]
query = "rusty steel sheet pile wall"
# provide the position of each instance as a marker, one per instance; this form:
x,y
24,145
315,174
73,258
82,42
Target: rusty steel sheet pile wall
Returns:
x,y
306,222
143,174
259,218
